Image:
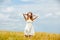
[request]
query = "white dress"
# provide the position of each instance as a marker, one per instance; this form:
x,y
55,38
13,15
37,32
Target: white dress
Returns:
x,y
29,30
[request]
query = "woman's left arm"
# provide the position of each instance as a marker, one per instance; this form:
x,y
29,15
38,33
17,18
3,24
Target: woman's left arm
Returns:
x,y
35,17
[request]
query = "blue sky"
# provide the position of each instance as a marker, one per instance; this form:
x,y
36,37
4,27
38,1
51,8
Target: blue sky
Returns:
x,y
11,18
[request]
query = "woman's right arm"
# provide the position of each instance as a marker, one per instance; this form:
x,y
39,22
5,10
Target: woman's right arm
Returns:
x,y
25,16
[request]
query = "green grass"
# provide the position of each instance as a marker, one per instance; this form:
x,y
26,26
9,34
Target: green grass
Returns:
x,y
6,35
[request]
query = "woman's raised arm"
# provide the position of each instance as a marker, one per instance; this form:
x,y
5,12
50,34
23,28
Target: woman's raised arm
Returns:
x,y
34,17
25,16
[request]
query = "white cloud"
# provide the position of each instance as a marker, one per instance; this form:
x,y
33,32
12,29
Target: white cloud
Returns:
x,y
49,14
34,1
25,0
57,13
52,15
6,1
8,9
2,16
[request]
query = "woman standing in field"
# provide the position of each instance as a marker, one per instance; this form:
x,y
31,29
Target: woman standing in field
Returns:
x,y
29,29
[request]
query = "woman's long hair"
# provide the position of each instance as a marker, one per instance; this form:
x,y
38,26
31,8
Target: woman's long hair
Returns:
x,y
31,17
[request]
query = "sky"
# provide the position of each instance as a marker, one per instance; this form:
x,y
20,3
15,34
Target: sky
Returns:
x,y
11,18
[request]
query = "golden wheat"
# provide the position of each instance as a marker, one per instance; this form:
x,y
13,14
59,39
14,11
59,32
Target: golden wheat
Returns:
x,y
6,35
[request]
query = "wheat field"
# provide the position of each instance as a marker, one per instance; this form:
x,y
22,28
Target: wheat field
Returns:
x,y
7,35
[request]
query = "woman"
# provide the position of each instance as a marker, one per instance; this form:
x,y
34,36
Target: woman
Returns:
x,y
29,30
